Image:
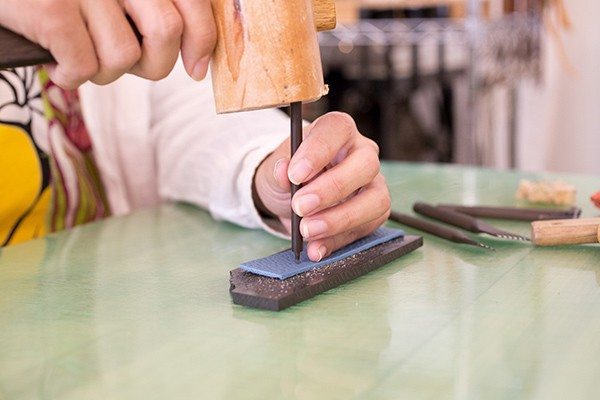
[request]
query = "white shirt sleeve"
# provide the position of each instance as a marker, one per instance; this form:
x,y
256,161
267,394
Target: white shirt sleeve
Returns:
x,y
163,141
209,159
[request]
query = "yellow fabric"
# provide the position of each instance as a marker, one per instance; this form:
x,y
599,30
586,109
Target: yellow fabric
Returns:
x,y
21,203
48,177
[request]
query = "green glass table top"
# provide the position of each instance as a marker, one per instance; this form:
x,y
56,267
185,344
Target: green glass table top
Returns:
x,y
138,307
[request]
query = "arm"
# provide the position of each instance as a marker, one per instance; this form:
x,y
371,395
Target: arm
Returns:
x,y
209,159
214,160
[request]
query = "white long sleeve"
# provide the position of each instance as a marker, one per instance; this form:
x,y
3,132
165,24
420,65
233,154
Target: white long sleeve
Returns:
x,y
157,141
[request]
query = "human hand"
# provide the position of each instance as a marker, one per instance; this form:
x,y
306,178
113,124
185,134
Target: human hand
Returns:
x,y
344,196
92,40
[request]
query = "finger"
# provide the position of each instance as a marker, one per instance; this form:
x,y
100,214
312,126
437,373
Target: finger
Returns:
x,y
199,35
272,186
319,249
70,44
276,166
161,28
334,185
280,180
325,138
271,183
369,204
116,46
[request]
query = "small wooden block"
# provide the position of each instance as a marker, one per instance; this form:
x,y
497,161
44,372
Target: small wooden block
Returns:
x,y
257,291
325,18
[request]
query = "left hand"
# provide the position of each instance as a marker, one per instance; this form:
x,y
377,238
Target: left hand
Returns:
x,y
92,40
344,195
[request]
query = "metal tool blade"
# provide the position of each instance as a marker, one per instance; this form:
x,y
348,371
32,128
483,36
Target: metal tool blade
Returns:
x,y
499,233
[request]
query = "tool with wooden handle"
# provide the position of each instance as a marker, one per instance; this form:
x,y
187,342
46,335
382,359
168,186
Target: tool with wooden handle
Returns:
x,y
267,55
563,232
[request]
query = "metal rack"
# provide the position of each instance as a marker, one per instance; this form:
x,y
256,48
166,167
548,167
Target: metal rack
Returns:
x,y
486,54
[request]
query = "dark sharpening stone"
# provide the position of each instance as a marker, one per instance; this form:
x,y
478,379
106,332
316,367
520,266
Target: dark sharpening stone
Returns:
x,y
258,291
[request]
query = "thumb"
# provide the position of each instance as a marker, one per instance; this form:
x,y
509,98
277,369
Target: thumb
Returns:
x,y
272,185
280,175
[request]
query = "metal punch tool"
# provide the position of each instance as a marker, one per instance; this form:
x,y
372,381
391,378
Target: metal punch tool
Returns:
x,y
439,230
514,213
464,221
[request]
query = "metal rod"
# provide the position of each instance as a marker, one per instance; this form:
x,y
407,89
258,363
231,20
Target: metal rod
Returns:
x,y
296,140
514,213
439,230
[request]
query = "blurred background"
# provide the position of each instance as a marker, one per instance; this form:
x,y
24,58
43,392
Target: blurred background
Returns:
x,y
498,83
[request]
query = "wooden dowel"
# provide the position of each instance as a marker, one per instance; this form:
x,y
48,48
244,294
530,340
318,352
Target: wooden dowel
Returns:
x,y
561,232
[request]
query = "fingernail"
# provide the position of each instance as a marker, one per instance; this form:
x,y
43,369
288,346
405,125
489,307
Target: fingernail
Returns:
x,y
276,169
322,250
313,228
201,68
305,204
299,171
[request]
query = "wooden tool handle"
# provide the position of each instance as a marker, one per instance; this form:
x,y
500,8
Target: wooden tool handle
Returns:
x,y
560,232
267,52
17,51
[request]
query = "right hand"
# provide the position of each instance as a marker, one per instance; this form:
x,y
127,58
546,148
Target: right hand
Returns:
x,y
92,40
344,196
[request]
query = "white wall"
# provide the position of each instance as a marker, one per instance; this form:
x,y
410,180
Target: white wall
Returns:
x,y
559,124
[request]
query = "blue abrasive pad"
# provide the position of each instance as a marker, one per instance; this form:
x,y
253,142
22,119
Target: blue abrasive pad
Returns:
x,y
283,265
